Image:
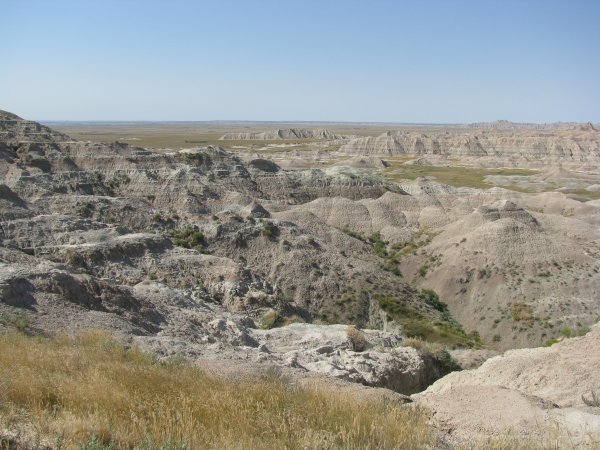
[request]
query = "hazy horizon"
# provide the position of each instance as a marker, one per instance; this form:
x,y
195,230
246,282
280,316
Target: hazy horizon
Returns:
x,y
429,62
281,122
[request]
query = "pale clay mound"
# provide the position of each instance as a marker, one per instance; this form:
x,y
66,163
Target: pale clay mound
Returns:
x,y
523,391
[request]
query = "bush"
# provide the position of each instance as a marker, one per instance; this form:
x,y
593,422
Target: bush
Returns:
x,y
189,238
274,319
447,333
431,297
117,180
356,339
269,230
270,319
570,332
379,245
522,312
567,332
484,273
85,209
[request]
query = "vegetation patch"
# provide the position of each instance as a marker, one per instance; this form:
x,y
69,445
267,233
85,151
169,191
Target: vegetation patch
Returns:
x,y
117,180
421,238
19,320
439,328
189,238
522,312
356,339
453,176
274,319
269,230
195,158
569,332
353,234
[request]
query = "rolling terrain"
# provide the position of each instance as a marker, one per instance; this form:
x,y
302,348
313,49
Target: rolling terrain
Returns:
x,y
341,252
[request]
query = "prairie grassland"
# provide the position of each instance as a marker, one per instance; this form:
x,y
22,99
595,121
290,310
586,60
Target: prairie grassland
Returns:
x,y
454,176
91,392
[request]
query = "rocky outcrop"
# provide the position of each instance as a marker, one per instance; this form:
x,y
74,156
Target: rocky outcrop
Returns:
x,y
489,148
507,125
329,350
284,134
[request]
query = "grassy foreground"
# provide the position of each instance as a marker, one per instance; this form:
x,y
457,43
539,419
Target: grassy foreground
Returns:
x,y
90,392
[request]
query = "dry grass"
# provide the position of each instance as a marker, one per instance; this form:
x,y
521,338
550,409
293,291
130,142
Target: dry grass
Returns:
x,y
90,392
423,346
357,339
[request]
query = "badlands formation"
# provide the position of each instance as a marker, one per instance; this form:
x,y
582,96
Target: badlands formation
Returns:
x,y
320,258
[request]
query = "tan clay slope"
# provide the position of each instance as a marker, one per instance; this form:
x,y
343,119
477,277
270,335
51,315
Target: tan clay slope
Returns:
x,y
516,276
528,391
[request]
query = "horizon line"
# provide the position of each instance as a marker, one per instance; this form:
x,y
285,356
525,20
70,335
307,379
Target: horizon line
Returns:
x,y
341,122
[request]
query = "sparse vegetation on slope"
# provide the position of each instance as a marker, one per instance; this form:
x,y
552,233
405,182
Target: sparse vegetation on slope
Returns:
x,y
416,324
91,391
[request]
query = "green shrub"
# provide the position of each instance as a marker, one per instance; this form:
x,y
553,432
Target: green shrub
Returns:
x,y
270,319
189,238
379,245
550,342
85,209
269,230
431,298
353,234
567,332
570,332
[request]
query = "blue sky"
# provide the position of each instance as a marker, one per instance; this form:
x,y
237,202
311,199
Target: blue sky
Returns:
x,y
393,61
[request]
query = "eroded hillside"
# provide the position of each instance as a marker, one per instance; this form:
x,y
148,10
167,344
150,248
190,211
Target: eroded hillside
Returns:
x,y
197,251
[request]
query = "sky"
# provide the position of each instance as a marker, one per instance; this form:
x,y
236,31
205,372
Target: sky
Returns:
x,y
428,61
